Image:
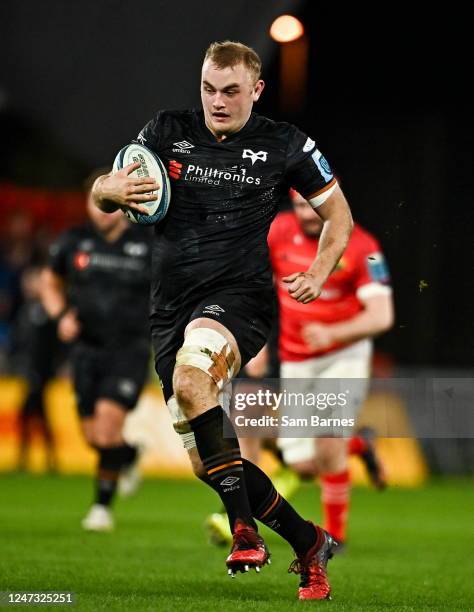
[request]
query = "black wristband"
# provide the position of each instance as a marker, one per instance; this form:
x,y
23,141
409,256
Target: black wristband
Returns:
x,y
60,315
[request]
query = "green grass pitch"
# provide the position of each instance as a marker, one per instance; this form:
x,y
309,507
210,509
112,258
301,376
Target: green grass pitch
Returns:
x,y
409,550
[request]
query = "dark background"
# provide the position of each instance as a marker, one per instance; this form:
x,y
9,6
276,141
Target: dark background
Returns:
x,y
387,102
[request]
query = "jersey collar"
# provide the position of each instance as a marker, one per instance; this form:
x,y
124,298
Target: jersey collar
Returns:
x,y
209,136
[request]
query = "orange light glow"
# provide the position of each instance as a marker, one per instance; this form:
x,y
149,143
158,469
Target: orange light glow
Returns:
x,y
286,28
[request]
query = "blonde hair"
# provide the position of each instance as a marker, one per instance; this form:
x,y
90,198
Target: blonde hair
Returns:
x,y
228,54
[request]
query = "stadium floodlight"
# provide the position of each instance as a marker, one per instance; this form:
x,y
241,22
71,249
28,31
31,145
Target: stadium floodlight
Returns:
x,y
286,28
289,32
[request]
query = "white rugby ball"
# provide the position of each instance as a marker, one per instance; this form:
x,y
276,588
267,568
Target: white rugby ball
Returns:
x,y
150,165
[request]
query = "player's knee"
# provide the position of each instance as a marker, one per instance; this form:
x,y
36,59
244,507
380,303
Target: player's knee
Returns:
x,y
331,455
191,387
90,437
87,426
107,436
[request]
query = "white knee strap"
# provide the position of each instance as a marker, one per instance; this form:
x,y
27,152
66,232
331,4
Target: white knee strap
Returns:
x,y
208,350
180,422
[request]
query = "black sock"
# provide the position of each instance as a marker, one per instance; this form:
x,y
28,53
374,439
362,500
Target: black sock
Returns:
x,y
111,460
269,507
129,455
106,486
223,463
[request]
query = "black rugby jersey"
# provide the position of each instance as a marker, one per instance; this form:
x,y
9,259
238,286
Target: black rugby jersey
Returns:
x,y
224,196
107,282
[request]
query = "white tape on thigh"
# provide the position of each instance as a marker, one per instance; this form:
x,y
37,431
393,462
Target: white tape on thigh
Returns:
x,y
208,350
180,424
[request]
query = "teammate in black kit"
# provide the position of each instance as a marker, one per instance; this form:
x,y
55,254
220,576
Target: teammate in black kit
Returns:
x,y
97,287
212,289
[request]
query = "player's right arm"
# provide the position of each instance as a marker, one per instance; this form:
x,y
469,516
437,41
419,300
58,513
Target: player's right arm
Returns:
x,y
120,190
53,293
309,173
53,298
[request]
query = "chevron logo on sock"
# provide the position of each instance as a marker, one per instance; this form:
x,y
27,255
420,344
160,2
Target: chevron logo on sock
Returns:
x,y
229,481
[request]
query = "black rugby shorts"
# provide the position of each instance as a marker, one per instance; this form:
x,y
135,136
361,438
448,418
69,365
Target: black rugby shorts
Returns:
x,y
119,374
247,314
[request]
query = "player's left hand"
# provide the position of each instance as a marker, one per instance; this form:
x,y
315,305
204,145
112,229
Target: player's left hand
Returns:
x,y
318,336
303,286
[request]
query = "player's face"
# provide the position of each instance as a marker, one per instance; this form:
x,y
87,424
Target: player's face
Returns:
x,y
311,223
105,222
227,96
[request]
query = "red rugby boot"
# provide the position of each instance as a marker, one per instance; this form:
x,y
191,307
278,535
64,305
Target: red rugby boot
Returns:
x,y
248,550
311,567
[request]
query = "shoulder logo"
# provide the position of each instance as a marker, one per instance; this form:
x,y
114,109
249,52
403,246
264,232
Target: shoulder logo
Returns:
x,y
182,147
141,138
261,155
309,144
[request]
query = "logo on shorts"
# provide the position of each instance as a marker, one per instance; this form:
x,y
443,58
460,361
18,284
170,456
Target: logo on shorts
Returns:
x,y
261,155
127,387
229,481
213,309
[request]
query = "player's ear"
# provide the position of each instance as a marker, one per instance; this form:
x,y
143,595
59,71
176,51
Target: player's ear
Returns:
x,y
257,90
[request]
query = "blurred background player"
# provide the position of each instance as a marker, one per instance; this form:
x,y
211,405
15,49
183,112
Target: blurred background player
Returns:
x,y
37,353
97,289
330,339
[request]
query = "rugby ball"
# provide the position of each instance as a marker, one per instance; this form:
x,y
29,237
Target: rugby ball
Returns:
x,y
150,165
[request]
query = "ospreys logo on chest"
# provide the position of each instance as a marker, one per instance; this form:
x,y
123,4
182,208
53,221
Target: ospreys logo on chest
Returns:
x,y
260,156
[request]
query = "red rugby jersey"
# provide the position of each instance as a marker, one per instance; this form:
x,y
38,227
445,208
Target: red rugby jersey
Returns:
x,y
361,272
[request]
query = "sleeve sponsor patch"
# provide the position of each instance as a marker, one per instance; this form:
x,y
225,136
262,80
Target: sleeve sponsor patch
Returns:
x,y
377,268
322,165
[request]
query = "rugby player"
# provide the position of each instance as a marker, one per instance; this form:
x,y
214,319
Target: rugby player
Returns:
x,y
97,289
331,338
38,352
212,292
357,297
